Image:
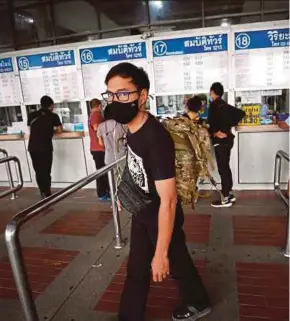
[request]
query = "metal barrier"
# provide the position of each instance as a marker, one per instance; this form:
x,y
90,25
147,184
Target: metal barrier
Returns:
x,y
277,187
13,189
9,175
13,228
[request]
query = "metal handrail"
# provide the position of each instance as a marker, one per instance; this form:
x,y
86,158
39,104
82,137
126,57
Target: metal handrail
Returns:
x,y
13,189
277,187
9,173
13,229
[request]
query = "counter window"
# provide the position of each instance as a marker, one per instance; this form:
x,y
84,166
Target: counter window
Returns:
x,y
11,121
264,107
70,114
175,105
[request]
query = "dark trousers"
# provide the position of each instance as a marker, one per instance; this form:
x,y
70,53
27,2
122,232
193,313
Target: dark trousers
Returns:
x,y
102,182
223,155
143,243
42,163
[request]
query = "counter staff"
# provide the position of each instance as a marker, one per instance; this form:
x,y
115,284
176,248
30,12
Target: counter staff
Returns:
x,y
42,124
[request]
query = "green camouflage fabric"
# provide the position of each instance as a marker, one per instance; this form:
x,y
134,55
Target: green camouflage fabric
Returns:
x,y
192,148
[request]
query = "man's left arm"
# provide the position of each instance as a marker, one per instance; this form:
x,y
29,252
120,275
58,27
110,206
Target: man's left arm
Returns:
x,y
166,190
96,120
162,159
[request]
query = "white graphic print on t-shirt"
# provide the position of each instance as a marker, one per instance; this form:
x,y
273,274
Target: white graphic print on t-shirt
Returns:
x,y
136,168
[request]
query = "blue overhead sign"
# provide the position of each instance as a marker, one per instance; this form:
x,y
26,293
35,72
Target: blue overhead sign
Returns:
x,y
119,52
190,45
46,60
272,38
6,65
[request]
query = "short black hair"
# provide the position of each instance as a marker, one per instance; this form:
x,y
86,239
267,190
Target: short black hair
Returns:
x,y
203,97
95,103
217,88
46,102
127,70
194,104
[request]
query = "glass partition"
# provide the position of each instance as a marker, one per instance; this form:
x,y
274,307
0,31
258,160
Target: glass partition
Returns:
x,y
11,121
69,113
175,104
263,107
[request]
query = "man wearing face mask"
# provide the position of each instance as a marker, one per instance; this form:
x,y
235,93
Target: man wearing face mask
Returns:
x,y
221,118
158,246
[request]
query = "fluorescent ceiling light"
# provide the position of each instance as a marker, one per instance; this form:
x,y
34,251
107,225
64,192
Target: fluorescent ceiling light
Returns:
x,y
225,23
30,20
158,4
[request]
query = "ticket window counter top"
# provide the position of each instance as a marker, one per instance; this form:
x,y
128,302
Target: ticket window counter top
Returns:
x,y
69,135
261,128
10,137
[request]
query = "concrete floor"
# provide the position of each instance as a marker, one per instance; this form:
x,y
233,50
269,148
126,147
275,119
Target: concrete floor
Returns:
x,y
77,275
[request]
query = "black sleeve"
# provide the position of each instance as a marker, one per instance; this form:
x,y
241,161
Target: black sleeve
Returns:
x,y
56,120
162,156
236,115
29,119
212,121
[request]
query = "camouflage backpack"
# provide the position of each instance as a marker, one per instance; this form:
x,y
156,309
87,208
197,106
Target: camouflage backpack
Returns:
x,y
193,155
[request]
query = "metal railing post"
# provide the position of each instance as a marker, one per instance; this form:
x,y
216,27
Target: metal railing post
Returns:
x,y
116,217
286,251
13,229
277,171
277,187
19,272
7,160
9,174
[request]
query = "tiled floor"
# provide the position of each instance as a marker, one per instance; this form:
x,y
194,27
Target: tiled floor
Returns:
x,y
82,223
43,266
76,274
259,230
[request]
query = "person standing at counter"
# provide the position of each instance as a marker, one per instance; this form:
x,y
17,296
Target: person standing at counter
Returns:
x,y
148,191
42,124
203,113
222,117
97,150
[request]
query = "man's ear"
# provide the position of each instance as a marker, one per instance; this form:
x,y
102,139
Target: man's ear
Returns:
x,y
143,97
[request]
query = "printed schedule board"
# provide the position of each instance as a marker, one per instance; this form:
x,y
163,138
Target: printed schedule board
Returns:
x,y
8,87
185,65
96,63
262,59
53,74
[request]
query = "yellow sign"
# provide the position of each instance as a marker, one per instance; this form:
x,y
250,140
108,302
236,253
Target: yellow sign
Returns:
x,y
252,117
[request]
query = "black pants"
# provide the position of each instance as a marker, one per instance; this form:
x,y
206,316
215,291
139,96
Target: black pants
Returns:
x,y
102,182
42,163
142,249
223,155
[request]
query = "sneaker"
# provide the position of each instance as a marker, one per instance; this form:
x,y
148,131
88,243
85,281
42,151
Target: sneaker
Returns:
x,y
189,314
105,198
225,203
232,198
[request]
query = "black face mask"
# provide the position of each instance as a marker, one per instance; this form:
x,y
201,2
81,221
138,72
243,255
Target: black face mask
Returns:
x,y
123,113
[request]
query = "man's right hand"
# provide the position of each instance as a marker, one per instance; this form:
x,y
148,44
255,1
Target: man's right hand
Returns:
x,y
220,135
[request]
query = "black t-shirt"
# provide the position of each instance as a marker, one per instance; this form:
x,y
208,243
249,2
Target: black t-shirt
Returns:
x,y
42,123
151,157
